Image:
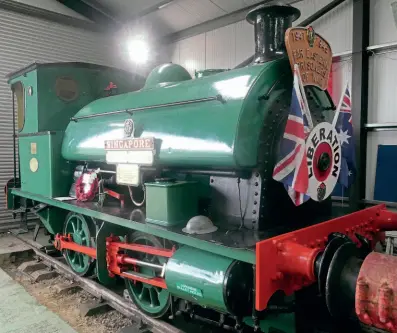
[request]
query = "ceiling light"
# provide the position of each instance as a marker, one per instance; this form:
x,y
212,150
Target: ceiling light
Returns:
x,y
138,50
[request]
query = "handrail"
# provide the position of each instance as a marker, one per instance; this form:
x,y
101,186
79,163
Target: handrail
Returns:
x,y
150,107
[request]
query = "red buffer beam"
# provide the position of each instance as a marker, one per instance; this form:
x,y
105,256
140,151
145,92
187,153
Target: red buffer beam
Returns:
x,y
293,254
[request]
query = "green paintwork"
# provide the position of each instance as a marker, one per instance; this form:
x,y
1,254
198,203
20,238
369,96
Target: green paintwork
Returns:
x,y
208,72
203,187
246,255
152,300
77,226
275,323
198,276
53,176
171,203
215,134
52,219
45,111
166,74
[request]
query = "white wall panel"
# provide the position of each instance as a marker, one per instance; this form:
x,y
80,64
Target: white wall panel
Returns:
x,y
307,8
175,57
383,88
337,26
221,47
192,53
245,44
383,28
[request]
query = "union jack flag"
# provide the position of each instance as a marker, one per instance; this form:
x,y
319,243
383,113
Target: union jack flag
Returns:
x,y
292,170
344,126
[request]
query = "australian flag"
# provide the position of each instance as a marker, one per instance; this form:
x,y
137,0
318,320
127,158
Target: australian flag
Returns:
x,y
292,170
344,126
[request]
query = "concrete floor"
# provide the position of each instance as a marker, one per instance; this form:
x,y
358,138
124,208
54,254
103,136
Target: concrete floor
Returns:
x,y
19,311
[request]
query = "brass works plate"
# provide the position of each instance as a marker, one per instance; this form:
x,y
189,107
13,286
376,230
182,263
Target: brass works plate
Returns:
x,y
66,88
33,148
312,53
128,174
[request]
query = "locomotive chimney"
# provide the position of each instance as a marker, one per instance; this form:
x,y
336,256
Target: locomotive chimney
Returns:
x,y
271,21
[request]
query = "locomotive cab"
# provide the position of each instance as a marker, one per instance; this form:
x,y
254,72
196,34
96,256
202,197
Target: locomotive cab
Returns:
x,y
47,96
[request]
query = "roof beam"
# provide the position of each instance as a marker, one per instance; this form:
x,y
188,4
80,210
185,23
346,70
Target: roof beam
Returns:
x,y
92,10
216,23
147,11
33,11
97,6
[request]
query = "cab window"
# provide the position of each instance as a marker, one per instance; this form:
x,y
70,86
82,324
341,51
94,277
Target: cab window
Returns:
x,y
20,104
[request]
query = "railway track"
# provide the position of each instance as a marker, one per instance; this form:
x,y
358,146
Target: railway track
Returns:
x,y
140,323
144,323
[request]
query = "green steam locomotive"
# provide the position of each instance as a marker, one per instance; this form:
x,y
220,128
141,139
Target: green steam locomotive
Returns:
x,y
168,184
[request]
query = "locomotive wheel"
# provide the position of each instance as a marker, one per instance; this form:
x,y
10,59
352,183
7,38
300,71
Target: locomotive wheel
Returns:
x,y
153,301
81,230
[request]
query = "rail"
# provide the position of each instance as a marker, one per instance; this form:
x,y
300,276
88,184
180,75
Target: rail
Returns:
x,y
97,290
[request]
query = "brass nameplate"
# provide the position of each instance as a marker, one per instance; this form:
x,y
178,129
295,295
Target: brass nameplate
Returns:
x,y
312,53
130,144
33,148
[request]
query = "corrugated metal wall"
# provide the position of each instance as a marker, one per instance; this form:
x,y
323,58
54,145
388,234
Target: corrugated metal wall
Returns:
x,y
24,40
